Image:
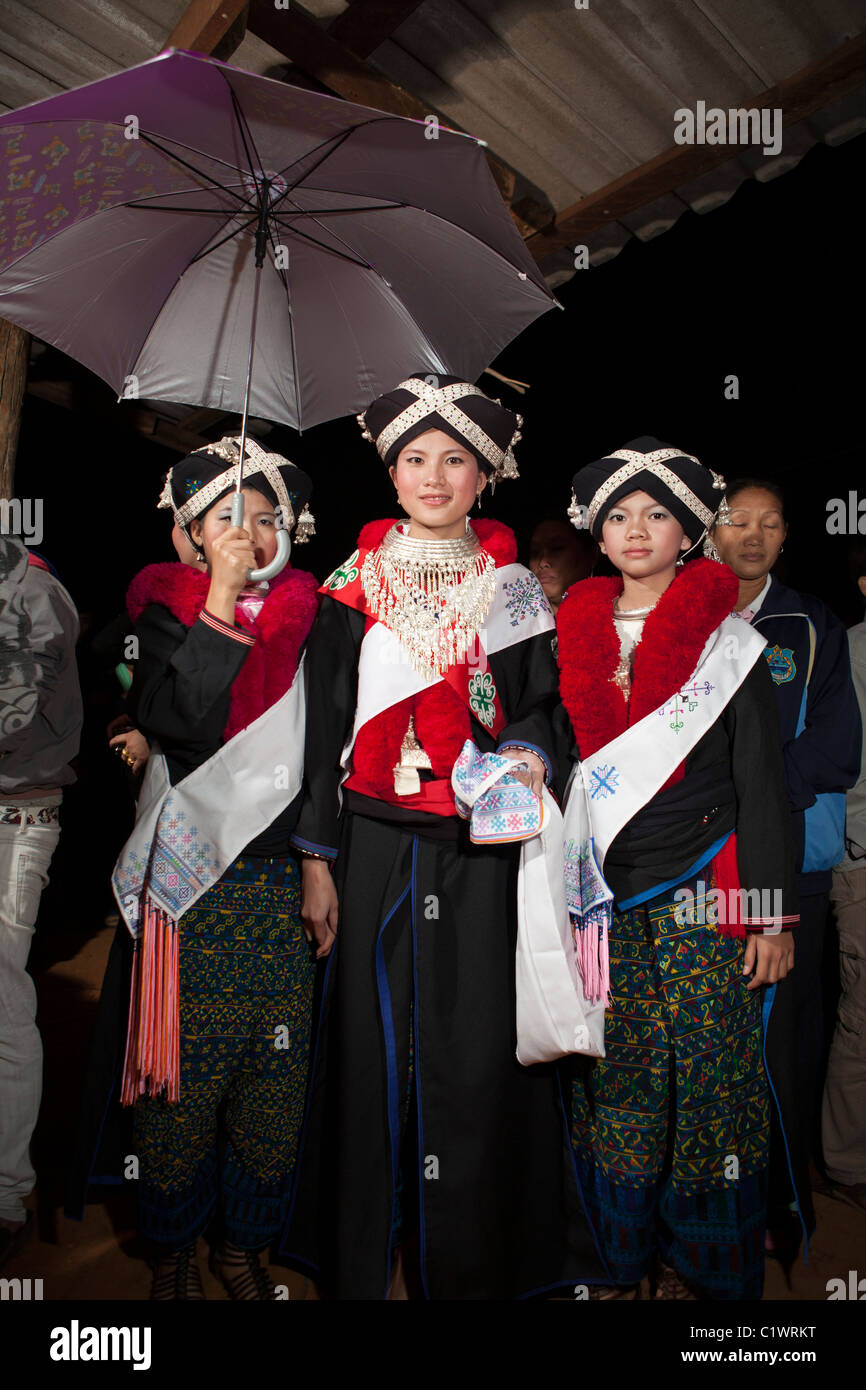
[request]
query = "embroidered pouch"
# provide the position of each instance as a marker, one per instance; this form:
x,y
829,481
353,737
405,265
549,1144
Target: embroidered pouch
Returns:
x,y
500,808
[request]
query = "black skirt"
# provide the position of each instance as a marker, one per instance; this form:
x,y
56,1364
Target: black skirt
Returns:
x,y
419,994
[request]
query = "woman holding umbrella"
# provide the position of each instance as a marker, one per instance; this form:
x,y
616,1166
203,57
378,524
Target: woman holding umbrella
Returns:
x,y
425,1138
217,1038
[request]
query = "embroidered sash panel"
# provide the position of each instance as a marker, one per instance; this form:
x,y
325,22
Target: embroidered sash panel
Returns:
x,y
626,773
186,835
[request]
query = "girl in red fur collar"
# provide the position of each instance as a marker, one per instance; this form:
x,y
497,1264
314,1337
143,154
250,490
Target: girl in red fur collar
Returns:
x,y
217,1106
433,1163
681,1089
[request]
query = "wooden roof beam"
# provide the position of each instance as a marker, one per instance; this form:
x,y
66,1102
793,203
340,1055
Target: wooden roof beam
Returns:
x,y
215,27
797,97
368,23
316,52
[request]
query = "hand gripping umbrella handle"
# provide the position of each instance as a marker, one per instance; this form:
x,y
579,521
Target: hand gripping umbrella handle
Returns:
x,y
284,545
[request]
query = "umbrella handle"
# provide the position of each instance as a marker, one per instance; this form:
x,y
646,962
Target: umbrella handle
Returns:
x,y
284,545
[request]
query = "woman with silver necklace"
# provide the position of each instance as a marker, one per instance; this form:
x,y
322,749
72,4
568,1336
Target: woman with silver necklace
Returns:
x,y
674,723
433,1164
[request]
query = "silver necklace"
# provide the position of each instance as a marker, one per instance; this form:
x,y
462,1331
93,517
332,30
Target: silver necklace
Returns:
x,y
433,594
632,614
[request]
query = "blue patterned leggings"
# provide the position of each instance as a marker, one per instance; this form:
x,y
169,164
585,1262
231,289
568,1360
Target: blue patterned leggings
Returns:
x,y
246,982
671,1129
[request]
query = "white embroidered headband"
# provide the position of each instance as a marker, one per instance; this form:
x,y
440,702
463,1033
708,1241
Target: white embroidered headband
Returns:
x,y
441,401
653,462
256,460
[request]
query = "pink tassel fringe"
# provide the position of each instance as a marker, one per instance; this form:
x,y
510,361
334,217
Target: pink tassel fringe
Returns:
x,y
152,1060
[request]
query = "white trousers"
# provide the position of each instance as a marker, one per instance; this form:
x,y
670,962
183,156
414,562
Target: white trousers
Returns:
x,y
25,854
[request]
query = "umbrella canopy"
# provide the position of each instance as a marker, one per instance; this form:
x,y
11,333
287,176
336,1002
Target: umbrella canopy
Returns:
x,y
128,240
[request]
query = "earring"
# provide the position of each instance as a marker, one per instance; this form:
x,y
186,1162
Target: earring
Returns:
x,y
680,563
710,550
478,500
781,548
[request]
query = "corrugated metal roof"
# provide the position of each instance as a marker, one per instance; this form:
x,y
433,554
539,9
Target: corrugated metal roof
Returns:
x,y
570,98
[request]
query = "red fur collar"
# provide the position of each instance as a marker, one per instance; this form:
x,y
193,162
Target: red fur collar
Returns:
x,y
499,540
285,618
700,597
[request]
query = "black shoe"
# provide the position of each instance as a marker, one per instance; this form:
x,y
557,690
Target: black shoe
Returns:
x,y
242,1275
177,1276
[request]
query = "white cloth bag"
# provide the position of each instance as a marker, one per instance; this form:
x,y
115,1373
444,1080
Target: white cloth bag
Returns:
x,y
553,1015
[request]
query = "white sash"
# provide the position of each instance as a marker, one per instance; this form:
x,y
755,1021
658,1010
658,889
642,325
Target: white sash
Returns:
x,y
626,773
517,611
560,869
553,1016
186,836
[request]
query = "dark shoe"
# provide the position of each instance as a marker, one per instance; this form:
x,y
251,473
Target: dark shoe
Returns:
x,y
14,1238
177,1276
241,1273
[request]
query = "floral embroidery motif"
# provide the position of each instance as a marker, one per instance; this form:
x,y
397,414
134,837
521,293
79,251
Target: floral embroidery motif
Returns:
x,y
344,574
685,701
524,599
603,782
482,698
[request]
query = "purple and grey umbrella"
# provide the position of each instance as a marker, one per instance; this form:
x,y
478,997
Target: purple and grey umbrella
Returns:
x,y
136,209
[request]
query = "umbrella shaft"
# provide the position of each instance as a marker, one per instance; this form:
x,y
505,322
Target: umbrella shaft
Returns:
x,y
240,477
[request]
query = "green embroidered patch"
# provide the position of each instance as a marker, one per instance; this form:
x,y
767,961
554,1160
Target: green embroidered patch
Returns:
x,y
344,574
482,698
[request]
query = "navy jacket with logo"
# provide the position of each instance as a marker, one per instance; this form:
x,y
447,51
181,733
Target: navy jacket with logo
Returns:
x,y
825,756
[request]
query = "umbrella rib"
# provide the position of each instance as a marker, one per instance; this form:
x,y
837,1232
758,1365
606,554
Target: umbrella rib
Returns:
x,y
217,159
212,212
341,255
334,141
449,222
369,266
144,200
244,128
341,212
283,274
199,172
217,244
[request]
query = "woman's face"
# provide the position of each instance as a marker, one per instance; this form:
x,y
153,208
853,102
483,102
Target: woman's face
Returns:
x,y
641,537
557,558
751,544
260,522
437,481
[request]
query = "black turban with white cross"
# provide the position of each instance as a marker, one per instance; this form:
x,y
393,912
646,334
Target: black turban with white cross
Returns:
x,y
677,481
462,411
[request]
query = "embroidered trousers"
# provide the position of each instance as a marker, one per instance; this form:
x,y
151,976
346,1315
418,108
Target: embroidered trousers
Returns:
x,y
246,980
671,1128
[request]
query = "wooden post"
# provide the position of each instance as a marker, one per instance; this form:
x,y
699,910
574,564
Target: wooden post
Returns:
x,y
14,356
210,26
